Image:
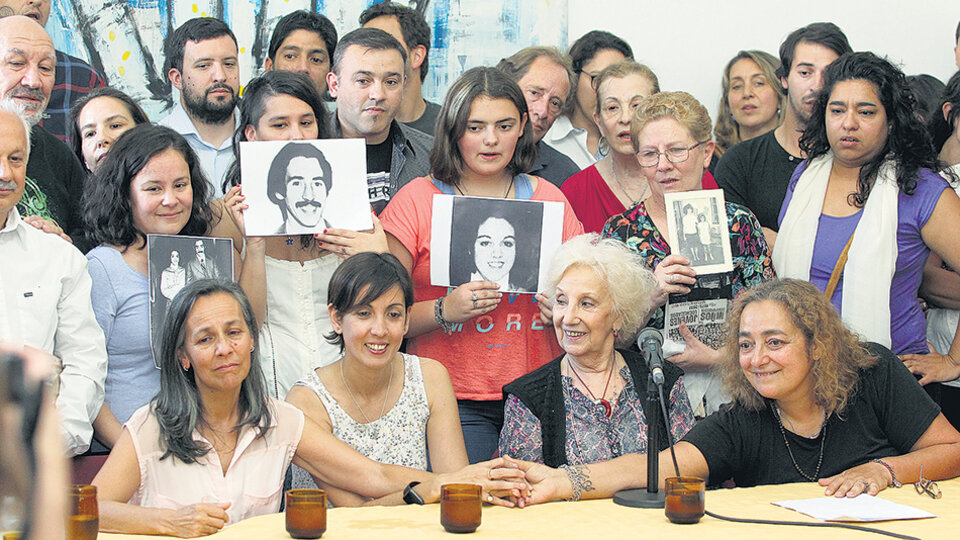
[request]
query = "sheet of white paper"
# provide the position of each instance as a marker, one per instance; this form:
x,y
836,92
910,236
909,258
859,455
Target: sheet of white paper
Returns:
x,y
859,508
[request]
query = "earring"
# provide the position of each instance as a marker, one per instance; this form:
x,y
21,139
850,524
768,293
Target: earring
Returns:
x,y
616,334
186,368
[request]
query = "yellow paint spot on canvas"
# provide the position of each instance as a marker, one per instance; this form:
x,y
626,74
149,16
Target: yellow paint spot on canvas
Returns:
x,y
243,49
242,88
113,35
195,9
203,13
121,71
126,54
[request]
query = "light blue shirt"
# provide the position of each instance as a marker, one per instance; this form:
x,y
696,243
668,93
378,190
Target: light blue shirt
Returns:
x,y
214,161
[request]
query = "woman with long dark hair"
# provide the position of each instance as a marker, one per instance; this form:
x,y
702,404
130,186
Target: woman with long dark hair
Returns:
x,y
211,448
866,208
484,338
149,183
97,119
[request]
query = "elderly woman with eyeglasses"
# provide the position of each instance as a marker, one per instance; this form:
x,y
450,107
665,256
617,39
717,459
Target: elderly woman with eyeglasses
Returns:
x,y
670,132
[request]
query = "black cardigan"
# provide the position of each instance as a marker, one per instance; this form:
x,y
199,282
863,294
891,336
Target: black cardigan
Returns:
x,y
542,393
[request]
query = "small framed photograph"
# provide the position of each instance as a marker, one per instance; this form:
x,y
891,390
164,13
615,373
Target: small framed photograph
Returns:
x,y
697,224
175,261
304,187
506,241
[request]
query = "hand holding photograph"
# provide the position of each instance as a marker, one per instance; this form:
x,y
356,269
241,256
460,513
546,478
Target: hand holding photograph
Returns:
x,y
506,241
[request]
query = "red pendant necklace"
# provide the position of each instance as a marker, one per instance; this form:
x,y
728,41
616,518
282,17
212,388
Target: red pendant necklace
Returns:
x,y
607,409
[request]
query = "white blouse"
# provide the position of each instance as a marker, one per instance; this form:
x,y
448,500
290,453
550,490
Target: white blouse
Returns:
x,y
253,483
292,341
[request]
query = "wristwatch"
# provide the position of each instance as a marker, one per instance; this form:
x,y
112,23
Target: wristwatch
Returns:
x,y
410,496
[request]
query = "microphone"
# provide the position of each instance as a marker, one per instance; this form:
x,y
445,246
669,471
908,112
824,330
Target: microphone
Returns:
x,y
650,342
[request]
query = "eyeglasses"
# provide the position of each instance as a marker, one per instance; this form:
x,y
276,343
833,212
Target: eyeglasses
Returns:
x,y
651,158
593,78
927,486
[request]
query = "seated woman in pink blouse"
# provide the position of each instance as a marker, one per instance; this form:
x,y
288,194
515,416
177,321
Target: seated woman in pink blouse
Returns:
x,y
586,406
212,448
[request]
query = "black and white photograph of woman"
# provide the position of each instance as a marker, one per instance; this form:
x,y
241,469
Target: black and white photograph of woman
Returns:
x,y
496,240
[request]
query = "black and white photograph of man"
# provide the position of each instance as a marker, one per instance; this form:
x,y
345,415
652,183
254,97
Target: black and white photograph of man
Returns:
x,y
304,187
498,240
299,180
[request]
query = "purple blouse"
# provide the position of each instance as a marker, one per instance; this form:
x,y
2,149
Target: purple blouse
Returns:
x,y
907,323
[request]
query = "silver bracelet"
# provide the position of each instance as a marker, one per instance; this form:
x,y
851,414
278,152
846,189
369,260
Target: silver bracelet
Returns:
x,y
894,482
438,315
574,482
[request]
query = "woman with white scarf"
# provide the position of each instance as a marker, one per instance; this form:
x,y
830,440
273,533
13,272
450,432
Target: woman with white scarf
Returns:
x,y
865,210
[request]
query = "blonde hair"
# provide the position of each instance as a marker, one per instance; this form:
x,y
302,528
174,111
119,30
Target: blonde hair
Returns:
x,y
680,106
836,354
628,281
726,132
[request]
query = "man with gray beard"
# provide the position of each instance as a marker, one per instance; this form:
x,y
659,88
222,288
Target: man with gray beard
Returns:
x,y
54,176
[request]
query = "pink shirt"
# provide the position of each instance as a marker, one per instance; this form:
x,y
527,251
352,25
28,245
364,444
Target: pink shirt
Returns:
x,y
491,350
253,482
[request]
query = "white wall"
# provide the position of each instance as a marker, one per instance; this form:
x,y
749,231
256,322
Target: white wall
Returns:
x,y
688,42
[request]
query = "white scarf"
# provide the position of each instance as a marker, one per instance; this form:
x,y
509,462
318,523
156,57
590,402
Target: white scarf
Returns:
x,y
872,258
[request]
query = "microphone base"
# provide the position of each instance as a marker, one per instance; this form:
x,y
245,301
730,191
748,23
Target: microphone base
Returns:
x,y
639,498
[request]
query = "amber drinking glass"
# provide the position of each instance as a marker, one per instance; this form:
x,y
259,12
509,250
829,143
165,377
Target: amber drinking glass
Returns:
x,y
306,513
460,506
684,499
84,520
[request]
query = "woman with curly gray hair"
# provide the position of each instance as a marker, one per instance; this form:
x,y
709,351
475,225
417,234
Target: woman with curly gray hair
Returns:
x,y
586,406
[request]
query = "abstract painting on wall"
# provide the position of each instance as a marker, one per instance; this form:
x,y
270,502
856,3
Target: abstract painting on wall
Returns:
x,y
123,39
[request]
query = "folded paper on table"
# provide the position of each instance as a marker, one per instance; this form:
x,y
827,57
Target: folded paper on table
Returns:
x,y
860,508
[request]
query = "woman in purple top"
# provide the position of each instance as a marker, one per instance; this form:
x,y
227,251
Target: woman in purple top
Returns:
x,y
868,191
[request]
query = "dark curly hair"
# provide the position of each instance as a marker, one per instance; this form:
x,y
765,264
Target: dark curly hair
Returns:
x,y
908,142
107,214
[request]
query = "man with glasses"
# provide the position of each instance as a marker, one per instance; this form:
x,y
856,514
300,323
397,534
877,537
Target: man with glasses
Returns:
x,y
546,78
755,173
575,134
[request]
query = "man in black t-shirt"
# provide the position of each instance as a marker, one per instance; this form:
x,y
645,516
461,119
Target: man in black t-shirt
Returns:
x,y
755,173
367,82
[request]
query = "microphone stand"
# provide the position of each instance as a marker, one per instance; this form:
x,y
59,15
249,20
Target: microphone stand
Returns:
x,y
651,497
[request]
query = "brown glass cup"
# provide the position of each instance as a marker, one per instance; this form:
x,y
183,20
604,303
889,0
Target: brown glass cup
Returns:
x,y
84,520
306,513
460,506
684,499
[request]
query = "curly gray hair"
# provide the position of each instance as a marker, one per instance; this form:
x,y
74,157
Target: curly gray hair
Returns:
x,y
614,263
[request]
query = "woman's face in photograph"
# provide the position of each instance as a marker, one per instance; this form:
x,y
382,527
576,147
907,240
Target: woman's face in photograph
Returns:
x,y
495,249
174,259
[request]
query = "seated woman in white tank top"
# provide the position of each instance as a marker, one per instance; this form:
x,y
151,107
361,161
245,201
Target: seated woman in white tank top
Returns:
x,y
389,406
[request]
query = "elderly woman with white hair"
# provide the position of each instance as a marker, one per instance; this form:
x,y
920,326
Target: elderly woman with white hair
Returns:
x,y
586,405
